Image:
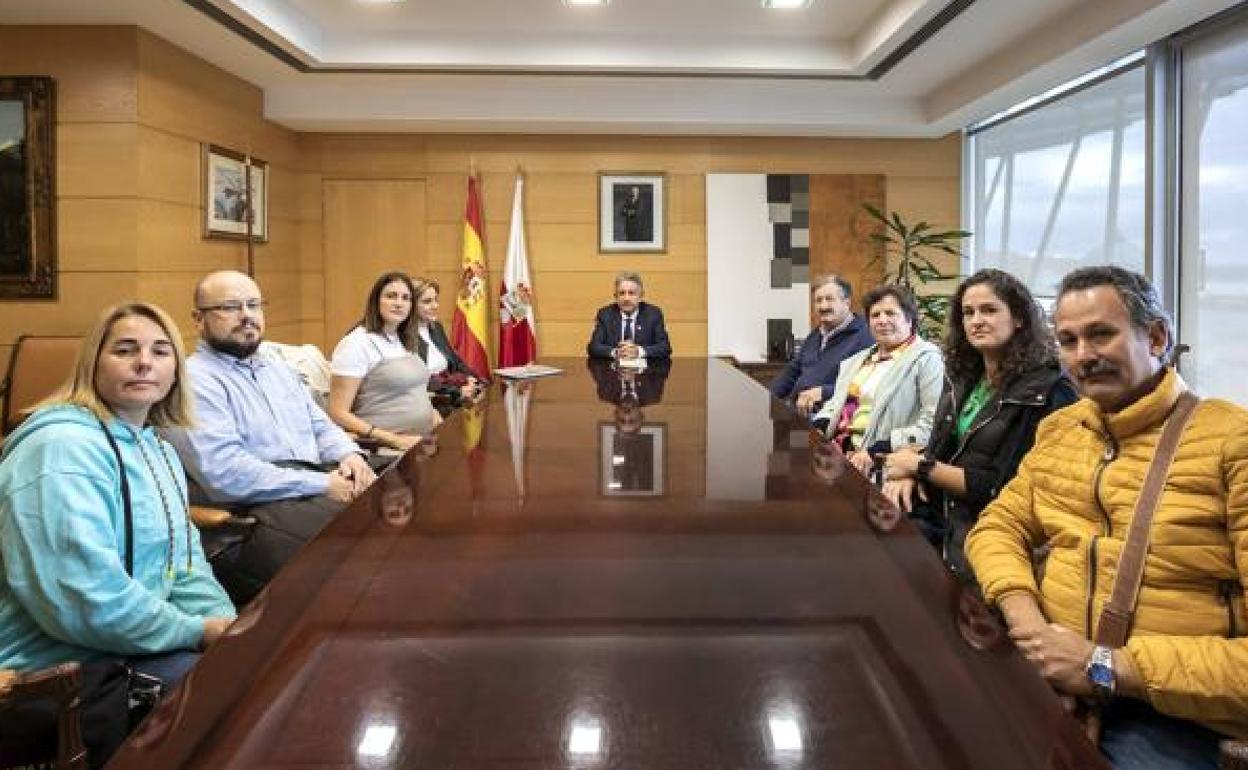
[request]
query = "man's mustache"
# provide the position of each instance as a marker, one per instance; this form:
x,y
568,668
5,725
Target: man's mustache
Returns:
x,y
1095,369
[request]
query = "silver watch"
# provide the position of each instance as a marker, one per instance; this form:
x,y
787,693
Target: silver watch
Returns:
x,y
1100,671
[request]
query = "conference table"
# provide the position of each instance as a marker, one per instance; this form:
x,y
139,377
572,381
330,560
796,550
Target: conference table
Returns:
x,y
606,569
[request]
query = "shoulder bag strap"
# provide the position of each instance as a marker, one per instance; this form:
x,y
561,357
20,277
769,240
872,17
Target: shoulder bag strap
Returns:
x,y
125,498
1115,620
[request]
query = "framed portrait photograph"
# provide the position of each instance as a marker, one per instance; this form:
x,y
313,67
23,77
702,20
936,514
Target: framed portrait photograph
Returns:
x,y
27,194
632,213
632,459
236,188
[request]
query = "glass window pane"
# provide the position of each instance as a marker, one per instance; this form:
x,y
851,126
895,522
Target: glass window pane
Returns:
x,y
1214,261
1063,186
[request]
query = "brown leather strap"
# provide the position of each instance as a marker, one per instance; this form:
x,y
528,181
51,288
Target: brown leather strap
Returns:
x,y
1115,621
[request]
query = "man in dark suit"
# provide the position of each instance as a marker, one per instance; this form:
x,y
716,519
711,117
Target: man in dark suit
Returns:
x,y
629,328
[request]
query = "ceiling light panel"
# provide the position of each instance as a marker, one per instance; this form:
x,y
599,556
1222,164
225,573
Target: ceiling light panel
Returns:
x,y
583,3
786,3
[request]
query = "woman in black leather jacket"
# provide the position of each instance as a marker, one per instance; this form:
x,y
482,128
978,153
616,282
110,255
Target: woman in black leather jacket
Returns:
x,y
1001,379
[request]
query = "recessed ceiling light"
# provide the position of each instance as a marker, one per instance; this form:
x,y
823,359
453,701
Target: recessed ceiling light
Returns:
x,y
785,3
576,3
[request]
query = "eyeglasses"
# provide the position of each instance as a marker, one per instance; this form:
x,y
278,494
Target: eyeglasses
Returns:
x,y
236,307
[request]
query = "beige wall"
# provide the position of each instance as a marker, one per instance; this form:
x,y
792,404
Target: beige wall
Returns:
x,y
133,110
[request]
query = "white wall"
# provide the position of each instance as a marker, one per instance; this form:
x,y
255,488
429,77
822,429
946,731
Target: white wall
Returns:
x,y
738,275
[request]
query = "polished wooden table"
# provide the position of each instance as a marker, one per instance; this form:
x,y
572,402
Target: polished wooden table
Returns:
x,y
662,571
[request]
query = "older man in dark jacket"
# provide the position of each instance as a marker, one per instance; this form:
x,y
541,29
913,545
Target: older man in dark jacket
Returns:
x,y
810,377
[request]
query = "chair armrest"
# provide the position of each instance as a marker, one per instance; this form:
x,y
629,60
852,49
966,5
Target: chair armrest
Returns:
x,y
63,686
206,517
370,445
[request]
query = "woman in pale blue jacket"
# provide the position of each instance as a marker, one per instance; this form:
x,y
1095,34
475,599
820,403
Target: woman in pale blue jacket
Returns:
x,y
886,395
77,582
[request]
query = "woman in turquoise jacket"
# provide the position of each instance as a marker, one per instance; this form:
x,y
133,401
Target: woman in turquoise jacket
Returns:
x,y
77,581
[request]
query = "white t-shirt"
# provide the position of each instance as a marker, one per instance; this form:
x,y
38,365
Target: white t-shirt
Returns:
x,y
361,350
435,361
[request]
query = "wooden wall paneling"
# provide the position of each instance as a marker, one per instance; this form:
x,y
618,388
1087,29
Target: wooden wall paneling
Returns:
x,y
96,68
445,197
97,234
840,229
282,291
370,226
559,198
572,295
283,192
312,298
281,252
169,167
933,199
374,156
169,239
687,200
96,160
174,291
184,95
83,296
499,153
563,247
795,155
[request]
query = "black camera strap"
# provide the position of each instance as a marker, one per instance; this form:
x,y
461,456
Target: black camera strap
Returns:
x,y
125,498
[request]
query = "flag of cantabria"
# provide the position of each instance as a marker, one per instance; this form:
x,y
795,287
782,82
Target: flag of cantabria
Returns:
x,y
517,328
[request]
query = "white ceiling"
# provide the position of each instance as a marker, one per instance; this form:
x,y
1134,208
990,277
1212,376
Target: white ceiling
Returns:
x,y
837,68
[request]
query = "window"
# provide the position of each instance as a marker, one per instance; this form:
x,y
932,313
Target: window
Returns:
x,y
1213,267
1062,185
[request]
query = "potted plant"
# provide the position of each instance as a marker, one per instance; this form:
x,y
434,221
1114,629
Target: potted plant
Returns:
x,y
907,264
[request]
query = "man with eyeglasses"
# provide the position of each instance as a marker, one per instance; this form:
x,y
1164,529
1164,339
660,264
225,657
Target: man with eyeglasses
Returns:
x,y
259,442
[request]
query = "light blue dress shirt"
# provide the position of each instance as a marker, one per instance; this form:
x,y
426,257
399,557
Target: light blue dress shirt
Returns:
x,y
249,414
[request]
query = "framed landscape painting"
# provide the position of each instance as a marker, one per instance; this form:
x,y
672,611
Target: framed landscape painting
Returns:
x,y
236,190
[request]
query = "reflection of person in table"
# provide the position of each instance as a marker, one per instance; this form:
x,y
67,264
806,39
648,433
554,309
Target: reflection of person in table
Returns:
x,y
632,450
634,219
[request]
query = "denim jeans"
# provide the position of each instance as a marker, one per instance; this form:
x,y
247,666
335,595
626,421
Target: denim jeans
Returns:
x,y
168,667
1137,737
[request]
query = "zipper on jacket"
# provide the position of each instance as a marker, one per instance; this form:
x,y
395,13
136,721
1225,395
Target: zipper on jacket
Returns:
x,y
1108,456
1229,591
1087,620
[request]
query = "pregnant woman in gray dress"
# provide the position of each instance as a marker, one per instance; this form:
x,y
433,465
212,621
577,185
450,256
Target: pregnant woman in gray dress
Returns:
x,y
379,385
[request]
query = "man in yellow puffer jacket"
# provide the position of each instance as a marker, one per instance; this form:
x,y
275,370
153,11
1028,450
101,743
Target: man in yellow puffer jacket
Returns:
x,y
1181,681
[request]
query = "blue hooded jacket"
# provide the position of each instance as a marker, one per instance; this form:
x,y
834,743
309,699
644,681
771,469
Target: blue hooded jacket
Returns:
x,y
64,591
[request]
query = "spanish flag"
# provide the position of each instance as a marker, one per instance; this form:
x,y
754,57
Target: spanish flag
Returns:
x,y
470,324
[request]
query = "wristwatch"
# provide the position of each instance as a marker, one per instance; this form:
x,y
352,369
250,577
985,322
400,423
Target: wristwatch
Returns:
x,y
924,471
1100,671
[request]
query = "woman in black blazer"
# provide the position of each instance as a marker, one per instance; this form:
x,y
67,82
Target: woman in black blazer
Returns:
x,y
452,381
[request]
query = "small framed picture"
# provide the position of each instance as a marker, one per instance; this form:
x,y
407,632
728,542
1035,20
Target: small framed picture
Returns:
x,y
632,213
236,190
632,459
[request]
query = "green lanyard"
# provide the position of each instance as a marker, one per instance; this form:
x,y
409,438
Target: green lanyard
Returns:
x,y
970,410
